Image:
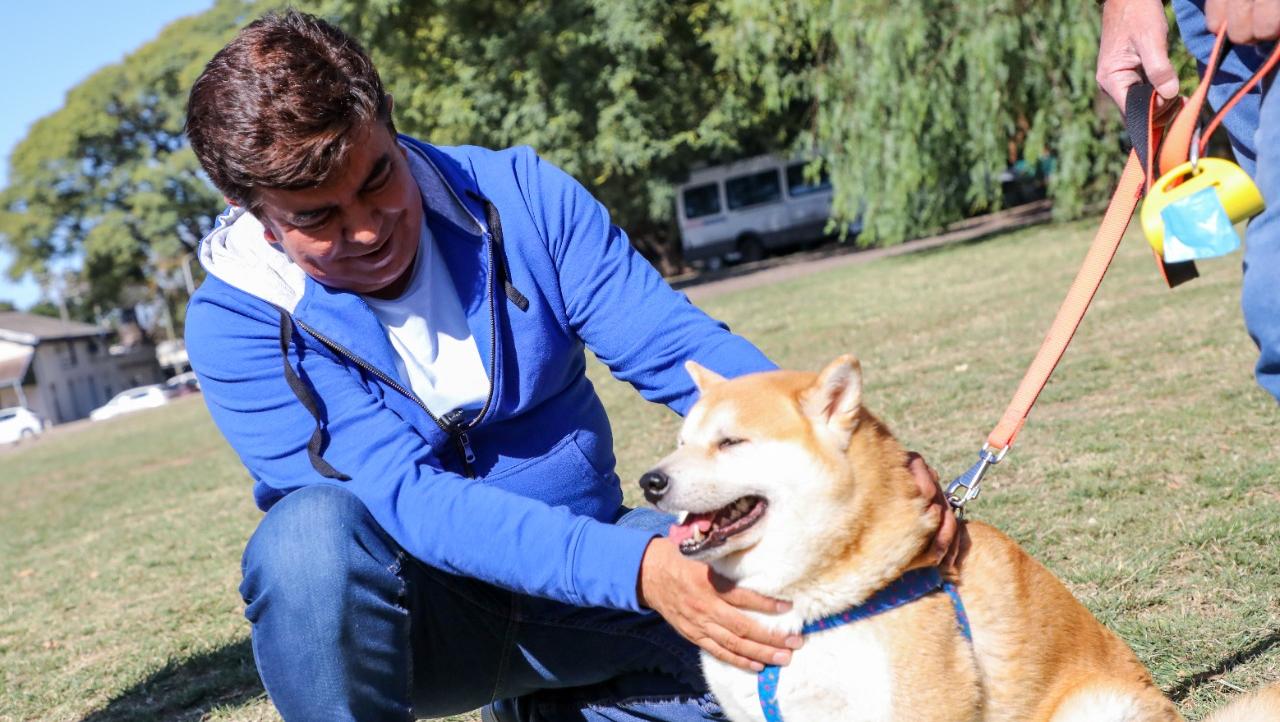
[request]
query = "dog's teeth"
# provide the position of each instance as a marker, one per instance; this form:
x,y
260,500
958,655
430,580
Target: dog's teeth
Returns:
x,y
682,517
697,534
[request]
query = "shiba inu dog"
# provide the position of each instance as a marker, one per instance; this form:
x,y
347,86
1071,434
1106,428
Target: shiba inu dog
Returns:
x,y
787,485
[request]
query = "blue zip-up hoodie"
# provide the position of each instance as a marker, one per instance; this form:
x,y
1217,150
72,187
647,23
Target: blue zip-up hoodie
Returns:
x,y
302,380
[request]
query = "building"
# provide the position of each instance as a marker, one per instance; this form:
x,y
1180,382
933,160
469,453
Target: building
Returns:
x,y
63,370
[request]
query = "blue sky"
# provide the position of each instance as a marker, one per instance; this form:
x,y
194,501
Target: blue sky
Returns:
x,y
46,48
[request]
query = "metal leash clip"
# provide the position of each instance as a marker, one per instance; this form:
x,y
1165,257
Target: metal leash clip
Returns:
x,y
1194,154
968,486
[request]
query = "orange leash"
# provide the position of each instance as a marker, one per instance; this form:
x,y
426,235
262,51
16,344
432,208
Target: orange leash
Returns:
x,y
1175,149
1105,243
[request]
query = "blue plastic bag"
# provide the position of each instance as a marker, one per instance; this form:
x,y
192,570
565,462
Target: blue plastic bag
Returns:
x,y
1197,227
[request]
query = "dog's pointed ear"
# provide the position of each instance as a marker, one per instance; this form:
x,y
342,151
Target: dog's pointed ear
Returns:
x,y
703,377
833,401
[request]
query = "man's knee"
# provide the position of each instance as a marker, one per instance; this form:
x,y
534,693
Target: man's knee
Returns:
x,y
309,550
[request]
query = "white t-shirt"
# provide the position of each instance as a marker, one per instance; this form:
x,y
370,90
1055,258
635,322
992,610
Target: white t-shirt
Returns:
x,y
428,330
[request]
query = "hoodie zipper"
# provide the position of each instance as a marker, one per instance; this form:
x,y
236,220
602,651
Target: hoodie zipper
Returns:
x,y
452,423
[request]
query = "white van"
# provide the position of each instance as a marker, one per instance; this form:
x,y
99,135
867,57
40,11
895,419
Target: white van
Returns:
x,y
742,209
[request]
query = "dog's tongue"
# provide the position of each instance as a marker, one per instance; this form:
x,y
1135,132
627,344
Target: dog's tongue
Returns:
x,y
681,532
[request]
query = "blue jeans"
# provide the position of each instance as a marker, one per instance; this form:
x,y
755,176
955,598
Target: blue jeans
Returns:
x,y
346,626
1254,128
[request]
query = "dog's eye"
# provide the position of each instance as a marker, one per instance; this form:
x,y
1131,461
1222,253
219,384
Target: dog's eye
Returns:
x,y
729,441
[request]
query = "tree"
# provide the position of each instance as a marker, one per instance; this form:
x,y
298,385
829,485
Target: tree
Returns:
x,y
107,183
919,105
915,106
626,95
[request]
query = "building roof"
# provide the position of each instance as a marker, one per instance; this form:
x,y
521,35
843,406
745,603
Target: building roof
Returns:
x,y
30,329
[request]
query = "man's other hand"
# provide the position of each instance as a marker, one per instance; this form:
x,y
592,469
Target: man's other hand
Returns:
x,y
1135,46
1247,21
951,540
705,608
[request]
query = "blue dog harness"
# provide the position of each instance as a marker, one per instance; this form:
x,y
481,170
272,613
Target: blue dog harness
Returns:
x,y
909,587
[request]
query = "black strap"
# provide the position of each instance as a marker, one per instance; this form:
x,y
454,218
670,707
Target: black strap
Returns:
x,y
494,221
1137,119
315,447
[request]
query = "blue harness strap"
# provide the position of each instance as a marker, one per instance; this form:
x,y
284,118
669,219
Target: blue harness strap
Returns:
x,y
909,587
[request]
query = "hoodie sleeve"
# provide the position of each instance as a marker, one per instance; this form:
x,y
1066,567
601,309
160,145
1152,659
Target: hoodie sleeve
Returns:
x,y
441,518
618,304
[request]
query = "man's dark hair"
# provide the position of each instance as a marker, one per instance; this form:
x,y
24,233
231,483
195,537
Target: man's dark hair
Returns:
x,y
279,105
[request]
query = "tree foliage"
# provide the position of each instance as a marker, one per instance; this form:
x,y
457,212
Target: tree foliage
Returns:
x,y
916,107
919,106
625,95
107,183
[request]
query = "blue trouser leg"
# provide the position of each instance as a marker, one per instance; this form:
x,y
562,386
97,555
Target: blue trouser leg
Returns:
x,y
347,627
1254,128
324,592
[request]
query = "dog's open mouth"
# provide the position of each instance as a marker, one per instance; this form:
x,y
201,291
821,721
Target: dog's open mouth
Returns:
x,y
699,532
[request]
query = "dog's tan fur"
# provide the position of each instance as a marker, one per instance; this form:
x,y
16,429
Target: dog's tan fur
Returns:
x,y
1037,654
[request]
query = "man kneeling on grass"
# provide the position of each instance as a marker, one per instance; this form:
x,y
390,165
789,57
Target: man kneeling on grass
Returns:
x,y
391,337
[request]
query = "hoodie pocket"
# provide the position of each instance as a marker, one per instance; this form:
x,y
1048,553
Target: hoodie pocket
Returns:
x,y
563,476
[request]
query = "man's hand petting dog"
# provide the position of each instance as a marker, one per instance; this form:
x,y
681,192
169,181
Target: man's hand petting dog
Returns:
x,y
706,609
951,541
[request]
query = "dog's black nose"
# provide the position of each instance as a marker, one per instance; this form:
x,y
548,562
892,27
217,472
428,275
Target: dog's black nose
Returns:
x,y
655,484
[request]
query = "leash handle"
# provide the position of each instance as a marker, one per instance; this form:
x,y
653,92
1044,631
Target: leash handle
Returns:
x,y
1182,142
1176,148
1269,65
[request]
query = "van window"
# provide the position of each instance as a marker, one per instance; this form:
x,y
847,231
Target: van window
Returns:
x,y
702,201
753,189
798,185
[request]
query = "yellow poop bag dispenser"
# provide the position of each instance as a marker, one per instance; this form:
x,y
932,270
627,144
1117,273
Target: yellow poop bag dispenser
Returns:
x,y
1190,211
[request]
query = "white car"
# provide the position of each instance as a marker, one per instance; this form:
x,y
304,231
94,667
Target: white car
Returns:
x,y
143,397
18,424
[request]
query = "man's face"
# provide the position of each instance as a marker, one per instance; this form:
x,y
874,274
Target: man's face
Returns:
x,y
358,231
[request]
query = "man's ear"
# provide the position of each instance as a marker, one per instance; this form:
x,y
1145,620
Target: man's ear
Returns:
x,y
703,377
833,401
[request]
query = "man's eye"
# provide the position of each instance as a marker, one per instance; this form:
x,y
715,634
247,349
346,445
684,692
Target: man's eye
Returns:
x,y
729,441
380,183
310,223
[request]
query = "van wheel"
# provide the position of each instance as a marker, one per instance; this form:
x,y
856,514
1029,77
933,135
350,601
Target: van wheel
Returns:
x,y
27,435
750,248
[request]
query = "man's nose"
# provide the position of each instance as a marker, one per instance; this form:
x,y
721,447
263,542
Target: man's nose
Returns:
x,y
364,224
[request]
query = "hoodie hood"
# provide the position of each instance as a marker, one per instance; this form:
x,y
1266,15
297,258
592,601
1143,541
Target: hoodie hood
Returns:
x,y
238,252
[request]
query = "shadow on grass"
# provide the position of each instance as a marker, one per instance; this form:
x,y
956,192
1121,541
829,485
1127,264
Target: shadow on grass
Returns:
x,y
185,691
1187,685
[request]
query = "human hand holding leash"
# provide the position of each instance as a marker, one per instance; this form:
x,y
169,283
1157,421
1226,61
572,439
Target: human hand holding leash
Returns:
x,y
1247,21
1135,46
706,609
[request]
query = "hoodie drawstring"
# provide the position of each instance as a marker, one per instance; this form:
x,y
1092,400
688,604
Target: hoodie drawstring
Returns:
x,y
315,447
494,221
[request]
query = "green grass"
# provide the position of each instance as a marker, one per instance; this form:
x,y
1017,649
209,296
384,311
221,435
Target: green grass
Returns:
x,y
1146,479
